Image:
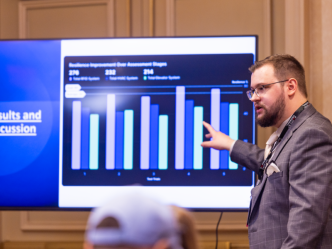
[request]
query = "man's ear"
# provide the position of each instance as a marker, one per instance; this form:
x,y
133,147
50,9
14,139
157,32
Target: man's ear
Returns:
x,y
291,87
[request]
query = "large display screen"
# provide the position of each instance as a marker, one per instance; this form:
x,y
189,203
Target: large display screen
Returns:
x,y
84,119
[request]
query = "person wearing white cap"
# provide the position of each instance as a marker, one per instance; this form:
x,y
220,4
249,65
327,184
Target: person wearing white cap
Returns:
x,y
133,221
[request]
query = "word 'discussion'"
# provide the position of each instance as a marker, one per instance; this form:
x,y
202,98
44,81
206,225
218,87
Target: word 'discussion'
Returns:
x,y
10,117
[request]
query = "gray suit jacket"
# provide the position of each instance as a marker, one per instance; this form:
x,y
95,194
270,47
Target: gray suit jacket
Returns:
x,y
293,208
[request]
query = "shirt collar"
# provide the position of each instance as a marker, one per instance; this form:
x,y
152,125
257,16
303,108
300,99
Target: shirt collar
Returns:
x,y
282,126
274,136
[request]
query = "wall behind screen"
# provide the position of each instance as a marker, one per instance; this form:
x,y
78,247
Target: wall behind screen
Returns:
x,y
122,18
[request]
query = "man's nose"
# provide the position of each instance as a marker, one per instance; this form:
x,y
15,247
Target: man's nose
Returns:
x,y
255,97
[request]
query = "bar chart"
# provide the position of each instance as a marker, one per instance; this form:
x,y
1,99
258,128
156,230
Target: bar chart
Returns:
x,y
224,118
188,137
119,136
85,137
188,133
154,136
154,130
146,127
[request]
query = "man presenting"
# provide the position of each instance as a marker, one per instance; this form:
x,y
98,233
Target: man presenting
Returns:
x,y
291,203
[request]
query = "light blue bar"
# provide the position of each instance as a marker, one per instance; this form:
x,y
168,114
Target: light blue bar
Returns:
x,y
215,123
179,127
198,137
145,132
94,142
110,131
128,139
76,136
163,142
233,128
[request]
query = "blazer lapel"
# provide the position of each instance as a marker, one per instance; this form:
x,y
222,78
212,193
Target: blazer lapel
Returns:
x,y
257,191
307,112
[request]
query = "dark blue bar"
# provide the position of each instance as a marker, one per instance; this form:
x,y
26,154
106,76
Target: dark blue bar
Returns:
x,y
224,128
154,136
119,137
85,123
189,135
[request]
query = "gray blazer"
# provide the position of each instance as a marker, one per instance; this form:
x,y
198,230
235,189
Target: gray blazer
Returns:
x,y
293,208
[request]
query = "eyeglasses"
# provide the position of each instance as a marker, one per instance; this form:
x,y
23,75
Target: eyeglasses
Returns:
x,y
260,90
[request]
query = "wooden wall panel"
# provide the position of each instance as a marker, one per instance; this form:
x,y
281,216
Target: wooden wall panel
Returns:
x,y
146,17
16,229
1,229
308,37
83,21
53,221
224,17
121,18
294,29
76,221
42,245
57,19
316,56
278,26
136,18
170,17
160,18
9,19
327,57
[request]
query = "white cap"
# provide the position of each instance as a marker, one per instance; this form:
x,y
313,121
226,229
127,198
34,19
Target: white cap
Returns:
x,y
142,221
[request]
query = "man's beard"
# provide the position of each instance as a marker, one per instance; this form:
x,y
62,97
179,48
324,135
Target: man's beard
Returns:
x,y
272,116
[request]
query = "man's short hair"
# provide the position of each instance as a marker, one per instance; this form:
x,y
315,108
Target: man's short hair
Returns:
x,y
285,67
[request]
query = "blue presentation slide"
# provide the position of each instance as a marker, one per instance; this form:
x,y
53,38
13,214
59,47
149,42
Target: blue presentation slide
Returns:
x,y
29,123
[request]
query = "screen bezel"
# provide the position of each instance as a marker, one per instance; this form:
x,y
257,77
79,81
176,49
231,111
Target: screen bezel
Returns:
x,y
53,208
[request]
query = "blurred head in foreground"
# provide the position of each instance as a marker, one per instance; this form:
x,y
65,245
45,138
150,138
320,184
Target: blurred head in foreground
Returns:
x,y
135,221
